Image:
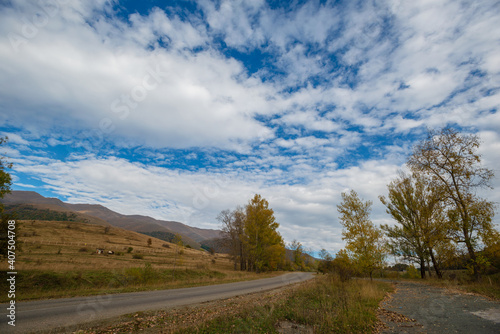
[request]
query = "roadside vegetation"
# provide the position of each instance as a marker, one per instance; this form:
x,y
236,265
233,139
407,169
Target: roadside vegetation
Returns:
x,y
441,222
488,285
252,238
58,259
326,304
45,284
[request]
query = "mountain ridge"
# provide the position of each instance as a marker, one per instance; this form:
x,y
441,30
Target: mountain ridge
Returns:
x,y
136,223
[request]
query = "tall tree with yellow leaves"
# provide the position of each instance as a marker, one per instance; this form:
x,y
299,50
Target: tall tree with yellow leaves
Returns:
x,y
364,240
264,244
415,203
451,160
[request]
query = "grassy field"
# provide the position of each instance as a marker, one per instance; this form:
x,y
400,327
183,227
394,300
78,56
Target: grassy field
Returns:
x,y
323,305
58,259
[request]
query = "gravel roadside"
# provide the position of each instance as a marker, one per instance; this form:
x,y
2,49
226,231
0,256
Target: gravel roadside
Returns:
x,y
419,308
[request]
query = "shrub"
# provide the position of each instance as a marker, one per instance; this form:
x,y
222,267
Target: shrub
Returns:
x,y
411,272
138,256
130,249
83,249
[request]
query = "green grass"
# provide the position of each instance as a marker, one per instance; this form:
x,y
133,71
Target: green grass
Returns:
x,y
325,305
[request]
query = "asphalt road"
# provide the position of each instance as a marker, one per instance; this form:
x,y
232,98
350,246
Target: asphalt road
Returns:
x,y
62,315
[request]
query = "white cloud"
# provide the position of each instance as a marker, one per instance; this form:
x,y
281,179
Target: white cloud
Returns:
x,y
103,79
352,72
14,138
197,197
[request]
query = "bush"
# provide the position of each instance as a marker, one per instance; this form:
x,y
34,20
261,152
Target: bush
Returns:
x,y
411,272
138,256
83,249
130,249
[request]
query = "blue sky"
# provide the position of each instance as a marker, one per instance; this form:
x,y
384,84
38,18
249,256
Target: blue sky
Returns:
x,y
181,109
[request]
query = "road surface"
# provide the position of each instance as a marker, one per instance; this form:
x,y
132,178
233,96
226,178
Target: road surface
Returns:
x,y
62,315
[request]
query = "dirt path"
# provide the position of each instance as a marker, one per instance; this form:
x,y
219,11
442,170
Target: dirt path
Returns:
x,y
418,308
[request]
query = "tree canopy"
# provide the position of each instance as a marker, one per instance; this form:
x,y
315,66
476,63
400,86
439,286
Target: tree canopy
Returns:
x,y
451,160
364,241
252,236
416,206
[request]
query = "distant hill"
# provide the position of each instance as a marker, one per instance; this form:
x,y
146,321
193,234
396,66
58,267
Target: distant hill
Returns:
x,y
42,212
190,235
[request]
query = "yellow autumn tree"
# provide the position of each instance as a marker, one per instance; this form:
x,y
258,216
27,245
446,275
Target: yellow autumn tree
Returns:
x,y
364,240
452,161
415,204
264,244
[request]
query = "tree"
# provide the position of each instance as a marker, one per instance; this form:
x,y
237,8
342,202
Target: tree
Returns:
x,y
5,178
343,266
233,224
298,253
326,263
451,160
265,245
150,241
416,206
5,183
364,240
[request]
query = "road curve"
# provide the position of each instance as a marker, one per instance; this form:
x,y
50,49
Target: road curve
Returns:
x,y
63,314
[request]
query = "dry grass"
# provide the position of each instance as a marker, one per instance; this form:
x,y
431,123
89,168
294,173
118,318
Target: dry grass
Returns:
x,y
460,281
488,286
62,258
49,245
322,305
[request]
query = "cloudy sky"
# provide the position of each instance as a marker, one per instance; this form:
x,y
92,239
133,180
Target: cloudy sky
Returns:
x,y
180,109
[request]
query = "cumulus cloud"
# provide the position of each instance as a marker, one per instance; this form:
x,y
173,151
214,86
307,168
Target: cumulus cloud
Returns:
x,y
179,113
197,197
83,70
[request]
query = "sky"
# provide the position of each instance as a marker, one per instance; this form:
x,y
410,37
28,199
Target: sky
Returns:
x,y
180,109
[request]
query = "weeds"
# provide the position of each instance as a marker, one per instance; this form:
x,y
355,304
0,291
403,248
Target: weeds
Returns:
x,y
325,305
488,286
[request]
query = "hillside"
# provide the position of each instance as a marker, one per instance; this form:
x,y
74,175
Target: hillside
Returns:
x,y
71,245
190,235
47,212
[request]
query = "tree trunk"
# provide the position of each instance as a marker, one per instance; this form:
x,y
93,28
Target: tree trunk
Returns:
x,y
473,258
435,264
242,259
422,268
